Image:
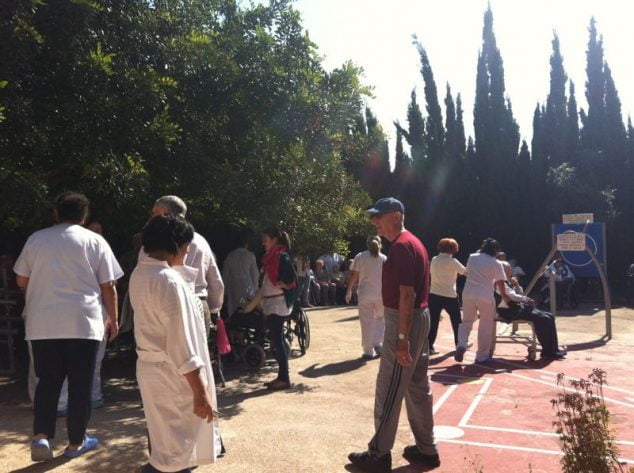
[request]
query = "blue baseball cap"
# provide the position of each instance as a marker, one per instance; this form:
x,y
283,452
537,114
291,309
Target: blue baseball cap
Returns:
x,y
386,205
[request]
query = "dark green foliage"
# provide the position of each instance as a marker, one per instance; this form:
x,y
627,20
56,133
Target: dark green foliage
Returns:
x,y
225,105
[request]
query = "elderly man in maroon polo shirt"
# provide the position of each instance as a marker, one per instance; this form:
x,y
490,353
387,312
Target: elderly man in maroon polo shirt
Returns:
x,y
405,357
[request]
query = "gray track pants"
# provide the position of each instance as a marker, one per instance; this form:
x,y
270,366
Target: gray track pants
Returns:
x,y
395,382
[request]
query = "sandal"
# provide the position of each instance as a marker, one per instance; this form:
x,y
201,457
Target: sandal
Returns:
x,y
41,450
88,444
279,385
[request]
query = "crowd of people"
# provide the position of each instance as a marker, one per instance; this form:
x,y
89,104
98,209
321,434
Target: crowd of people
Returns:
x,y
176,290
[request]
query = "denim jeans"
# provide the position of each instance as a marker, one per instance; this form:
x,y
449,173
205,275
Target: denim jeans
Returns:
x,y
276,334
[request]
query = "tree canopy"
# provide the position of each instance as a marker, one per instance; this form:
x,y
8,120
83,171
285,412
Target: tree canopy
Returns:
x,y
222,104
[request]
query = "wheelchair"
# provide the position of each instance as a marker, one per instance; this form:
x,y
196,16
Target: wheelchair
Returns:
x,y
248,335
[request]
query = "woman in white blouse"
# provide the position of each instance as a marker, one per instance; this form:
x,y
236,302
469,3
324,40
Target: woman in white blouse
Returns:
x,y
444,270
173,369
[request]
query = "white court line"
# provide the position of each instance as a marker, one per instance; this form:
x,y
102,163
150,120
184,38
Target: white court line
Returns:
x,y
541,370
467,415
553,384
512,447
605,386
565,388
444,397
505,447
529,432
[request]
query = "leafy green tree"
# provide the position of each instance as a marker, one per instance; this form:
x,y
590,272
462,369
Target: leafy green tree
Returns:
x,y
224,104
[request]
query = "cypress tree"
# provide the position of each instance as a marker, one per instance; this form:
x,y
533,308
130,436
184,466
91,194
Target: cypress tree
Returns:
x,y
416,132
496,132
524,158
434,131
538,145
451,127
572,126
401,178
592,135
630,143
556,108
616,139
461,144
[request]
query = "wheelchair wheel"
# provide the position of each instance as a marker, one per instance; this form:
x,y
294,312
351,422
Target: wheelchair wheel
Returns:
x,y
532,354
254,355
302,329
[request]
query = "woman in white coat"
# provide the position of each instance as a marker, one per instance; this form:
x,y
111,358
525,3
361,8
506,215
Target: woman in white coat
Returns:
x,y
484,275
367,270
173,369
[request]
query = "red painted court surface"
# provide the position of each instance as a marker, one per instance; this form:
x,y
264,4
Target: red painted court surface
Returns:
x,y
499,416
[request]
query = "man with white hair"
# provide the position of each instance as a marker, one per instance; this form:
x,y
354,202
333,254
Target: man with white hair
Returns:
x,y
209,286
405,356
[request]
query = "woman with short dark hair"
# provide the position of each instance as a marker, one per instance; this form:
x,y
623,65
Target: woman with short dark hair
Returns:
x,y
278,297
444,269
173,369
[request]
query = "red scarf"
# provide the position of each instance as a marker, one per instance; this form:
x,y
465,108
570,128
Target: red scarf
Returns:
x,y
271,262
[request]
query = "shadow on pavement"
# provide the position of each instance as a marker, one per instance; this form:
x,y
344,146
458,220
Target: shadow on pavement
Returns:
x,y
332,369
401,469
599,342
43,466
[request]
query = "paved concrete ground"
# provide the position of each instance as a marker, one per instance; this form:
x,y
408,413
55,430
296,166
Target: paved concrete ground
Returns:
x,y
497,417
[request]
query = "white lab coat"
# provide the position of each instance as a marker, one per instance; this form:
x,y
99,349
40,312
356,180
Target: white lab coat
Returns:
x,y
170,336
240,275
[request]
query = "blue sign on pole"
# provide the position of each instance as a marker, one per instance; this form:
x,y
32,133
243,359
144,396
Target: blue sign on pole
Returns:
x,y
579,261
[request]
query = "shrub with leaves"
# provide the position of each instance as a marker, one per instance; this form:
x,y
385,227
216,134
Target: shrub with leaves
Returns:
x,y
583,426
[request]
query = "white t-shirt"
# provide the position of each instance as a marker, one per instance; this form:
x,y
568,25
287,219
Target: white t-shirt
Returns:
x,y
483,271
370,270
444,269
65,265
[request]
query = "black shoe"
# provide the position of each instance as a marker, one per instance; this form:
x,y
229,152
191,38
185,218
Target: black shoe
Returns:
x,y
558,355
413,455
459,355
371,462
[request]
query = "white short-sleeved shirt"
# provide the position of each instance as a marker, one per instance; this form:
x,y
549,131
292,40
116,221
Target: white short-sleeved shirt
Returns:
x,y
444,269
65,265
370,270
483,271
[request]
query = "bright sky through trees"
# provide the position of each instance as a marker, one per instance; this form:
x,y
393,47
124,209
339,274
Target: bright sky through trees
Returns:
x,y
377,35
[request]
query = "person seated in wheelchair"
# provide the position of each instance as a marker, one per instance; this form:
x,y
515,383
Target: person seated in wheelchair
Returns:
x,y
564,283
246,324
522,307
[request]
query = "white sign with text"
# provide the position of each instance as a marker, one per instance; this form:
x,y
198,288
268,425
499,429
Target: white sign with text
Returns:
x,y
572,241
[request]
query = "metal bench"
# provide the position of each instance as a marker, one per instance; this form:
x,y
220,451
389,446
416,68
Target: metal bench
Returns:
x,y
529,341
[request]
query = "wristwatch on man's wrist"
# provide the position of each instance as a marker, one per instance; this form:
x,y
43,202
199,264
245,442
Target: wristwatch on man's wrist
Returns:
x,y
402,336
